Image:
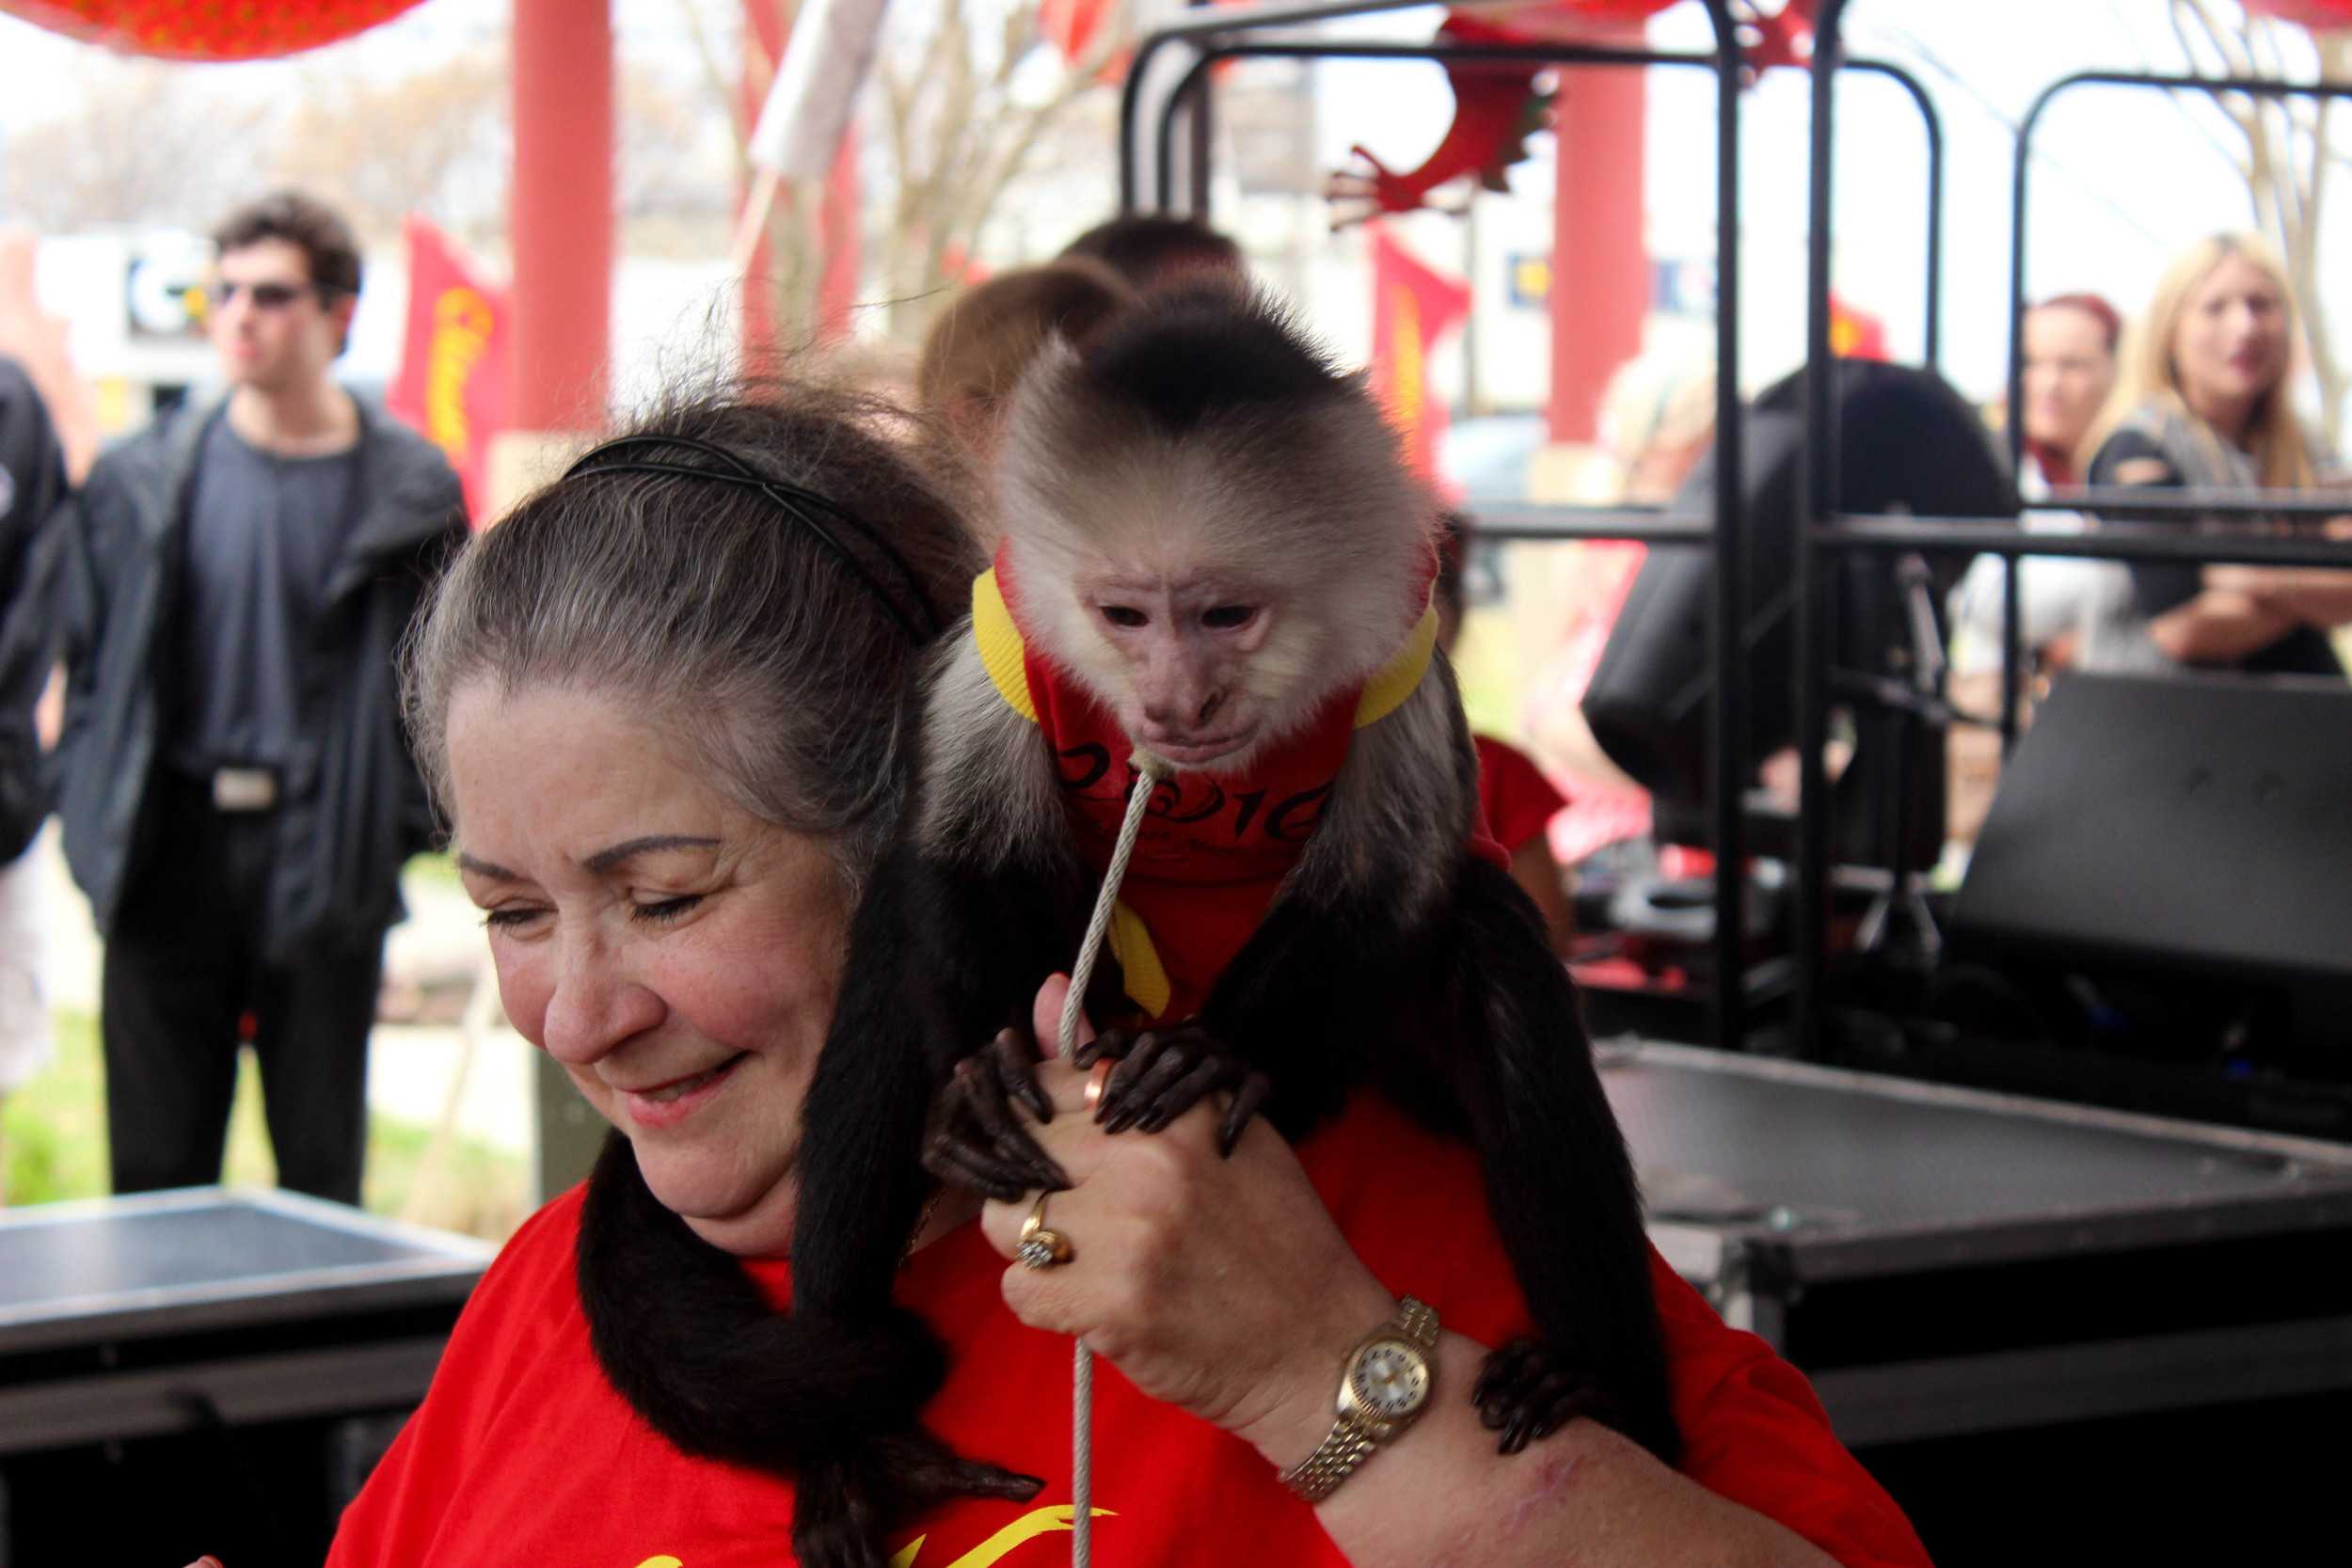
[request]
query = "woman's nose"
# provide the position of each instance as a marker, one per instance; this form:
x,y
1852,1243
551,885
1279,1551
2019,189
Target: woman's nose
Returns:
x,y
597,1006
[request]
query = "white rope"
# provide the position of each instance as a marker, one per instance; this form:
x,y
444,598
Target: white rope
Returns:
x,y
1149,771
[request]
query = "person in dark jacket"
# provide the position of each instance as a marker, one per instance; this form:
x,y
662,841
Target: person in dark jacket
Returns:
x,y
32,483
236,792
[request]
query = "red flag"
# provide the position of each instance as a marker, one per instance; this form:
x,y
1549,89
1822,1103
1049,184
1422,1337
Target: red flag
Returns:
x,y
455,382
1412,308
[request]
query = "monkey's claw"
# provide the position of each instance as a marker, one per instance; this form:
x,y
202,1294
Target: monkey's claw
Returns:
x,y
974,1140
850,1503
1164,1073
1527,1392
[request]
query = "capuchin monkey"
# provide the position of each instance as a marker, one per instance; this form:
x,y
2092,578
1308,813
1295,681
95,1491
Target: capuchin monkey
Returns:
x,y
1212,553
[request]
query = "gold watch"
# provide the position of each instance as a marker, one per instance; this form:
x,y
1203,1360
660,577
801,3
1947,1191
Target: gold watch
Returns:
x,y
1384,1387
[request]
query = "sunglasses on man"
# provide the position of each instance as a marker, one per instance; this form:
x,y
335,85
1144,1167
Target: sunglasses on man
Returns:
x,y
270,296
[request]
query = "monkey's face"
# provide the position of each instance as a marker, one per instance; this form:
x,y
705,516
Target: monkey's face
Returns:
x,y
1187,656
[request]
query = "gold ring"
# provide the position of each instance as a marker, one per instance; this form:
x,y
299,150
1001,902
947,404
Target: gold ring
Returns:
x,y
1041,1248
1095,1080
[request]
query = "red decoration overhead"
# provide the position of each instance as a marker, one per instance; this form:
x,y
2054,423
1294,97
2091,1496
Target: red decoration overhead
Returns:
x,y
208,29
2318,15
1496,108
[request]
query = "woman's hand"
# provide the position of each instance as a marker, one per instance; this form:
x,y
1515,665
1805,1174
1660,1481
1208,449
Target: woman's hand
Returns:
x,y
1215,1284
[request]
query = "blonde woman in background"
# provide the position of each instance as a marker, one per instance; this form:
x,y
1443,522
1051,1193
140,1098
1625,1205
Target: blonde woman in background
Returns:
x,y
2202,403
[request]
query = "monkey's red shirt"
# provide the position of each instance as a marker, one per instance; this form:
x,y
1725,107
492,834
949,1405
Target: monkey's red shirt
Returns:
x,y
523,1454
1213,850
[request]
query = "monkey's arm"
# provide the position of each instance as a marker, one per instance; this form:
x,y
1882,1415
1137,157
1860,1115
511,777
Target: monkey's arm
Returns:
x,y
1559,1181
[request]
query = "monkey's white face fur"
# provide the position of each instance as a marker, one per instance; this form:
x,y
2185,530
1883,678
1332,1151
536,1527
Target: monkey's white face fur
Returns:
x,y
1211,589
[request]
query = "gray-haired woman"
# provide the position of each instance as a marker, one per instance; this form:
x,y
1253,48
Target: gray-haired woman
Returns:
x,y
661,703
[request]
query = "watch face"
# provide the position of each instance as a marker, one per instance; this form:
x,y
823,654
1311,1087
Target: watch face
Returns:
x,y
1389,1380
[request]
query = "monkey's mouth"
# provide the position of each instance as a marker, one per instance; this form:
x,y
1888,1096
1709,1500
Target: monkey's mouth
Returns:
x,y
1195,751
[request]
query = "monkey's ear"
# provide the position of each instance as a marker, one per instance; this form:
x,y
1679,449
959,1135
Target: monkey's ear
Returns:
x,y
1038,392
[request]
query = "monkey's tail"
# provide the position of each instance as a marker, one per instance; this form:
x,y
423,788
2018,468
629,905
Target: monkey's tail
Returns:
x,y
688,1340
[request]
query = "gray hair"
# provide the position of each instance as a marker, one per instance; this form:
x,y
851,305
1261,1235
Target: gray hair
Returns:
x,y
720,617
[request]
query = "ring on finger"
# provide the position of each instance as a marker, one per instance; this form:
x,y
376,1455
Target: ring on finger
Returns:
x,y
1096,1079
1041,1248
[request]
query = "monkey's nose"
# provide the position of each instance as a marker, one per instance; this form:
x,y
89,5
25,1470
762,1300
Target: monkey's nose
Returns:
x,y
1210,706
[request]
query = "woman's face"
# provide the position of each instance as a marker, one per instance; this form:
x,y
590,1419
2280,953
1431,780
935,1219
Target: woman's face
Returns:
x,y
2230,346
677,956
2069,372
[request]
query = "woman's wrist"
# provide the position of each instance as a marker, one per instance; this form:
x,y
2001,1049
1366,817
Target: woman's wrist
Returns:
x,y
1301,1398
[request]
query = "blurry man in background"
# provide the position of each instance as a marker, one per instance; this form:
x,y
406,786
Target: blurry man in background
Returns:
x,y
32,483
235,788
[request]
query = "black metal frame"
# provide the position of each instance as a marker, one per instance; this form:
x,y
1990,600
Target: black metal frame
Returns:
x,y
1826,529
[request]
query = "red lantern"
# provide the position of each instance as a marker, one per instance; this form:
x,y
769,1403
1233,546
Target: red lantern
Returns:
x,y
2319,15
208,29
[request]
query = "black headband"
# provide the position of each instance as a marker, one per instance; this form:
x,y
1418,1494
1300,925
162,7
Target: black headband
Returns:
x,y
803,505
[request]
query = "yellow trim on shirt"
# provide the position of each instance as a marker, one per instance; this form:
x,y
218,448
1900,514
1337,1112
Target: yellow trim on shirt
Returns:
x,y
1396,680
1141,975
999,641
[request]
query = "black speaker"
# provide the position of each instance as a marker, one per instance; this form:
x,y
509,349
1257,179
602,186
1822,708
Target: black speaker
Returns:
x,y
2188,836
1903,440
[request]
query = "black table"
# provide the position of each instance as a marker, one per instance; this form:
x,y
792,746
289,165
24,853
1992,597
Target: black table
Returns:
x,y
2001,1299
200,1356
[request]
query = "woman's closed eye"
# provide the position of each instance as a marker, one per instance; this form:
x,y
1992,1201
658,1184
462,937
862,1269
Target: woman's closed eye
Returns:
x,y
510,917
662,910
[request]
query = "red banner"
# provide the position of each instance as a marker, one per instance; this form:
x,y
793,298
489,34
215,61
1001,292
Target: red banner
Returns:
x,y
455,382
1412,308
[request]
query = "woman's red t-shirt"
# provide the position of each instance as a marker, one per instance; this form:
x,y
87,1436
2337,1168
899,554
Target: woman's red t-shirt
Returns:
x,y
523,1454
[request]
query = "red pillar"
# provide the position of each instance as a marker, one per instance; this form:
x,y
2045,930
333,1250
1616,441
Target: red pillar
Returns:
x,y
562,214
1601,277
765,30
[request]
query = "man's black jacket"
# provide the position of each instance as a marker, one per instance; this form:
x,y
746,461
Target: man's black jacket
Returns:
x,y
32,483
352,806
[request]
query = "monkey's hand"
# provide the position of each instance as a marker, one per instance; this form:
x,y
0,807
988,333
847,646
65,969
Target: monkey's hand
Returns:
x,y
1164,1073
849,1502
1527,1392
974,1140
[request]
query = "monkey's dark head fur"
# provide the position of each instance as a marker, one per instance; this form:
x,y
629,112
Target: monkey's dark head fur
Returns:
x,y
1204,439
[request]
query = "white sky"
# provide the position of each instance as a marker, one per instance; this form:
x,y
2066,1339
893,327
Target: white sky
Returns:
x,y
2126,177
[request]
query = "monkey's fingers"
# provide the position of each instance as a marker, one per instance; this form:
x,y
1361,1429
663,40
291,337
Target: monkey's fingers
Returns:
x,y
1527,1392
1134,1068
959,1166
973,1116
1206,1075
1112,1045
1016,1072
1248,1100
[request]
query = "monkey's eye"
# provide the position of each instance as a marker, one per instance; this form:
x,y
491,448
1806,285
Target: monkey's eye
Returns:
x,y
1225,617
1125,616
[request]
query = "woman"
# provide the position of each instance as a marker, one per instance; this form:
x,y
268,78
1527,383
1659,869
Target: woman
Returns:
x,y
2202,403
656,703
2069,611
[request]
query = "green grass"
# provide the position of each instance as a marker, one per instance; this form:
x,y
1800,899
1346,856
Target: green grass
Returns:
x,y
53,1145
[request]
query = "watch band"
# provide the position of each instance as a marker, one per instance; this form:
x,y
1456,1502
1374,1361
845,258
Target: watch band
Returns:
x,y
1353,1437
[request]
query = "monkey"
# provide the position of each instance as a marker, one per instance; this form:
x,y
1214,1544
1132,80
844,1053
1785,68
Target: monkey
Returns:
x,y
1212,550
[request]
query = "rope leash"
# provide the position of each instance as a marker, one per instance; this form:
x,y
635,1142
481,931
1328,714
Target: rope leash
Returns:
x,y
1149,770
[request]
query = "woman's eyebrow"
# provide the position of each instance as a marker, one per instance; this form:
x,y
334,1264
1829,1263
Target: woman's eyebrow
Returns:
x,y
483,868
653,843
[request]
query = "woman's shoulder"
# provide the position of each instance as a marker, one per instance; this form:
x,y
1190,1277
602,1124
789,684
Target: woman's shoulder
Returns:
x,y
2145,434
